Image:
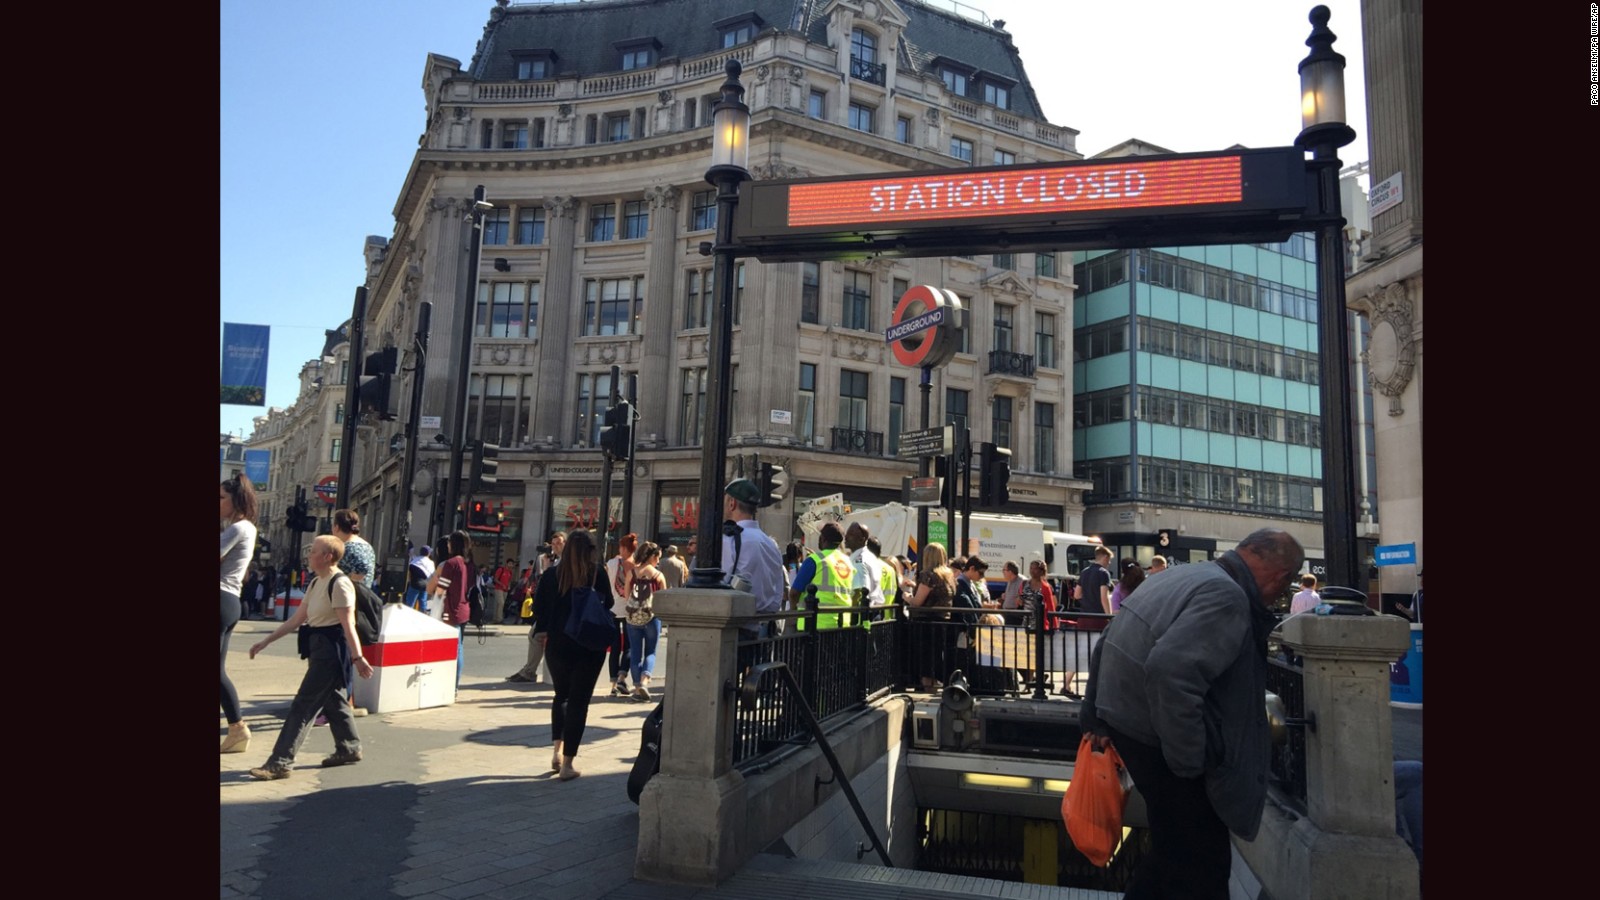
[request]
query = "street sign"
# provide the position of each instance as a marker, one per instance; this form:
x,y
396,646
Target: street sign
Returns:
x,y
930,319
925,491
1395,554
328,489
927,442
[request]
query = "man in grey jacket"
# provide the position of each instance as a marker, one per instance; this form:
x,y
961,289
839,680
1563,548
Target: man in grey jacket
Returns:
x,y
1178,683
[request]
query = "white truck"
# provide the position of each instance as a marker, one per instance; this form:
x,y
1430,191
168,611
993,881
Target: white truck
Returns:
x,y
995,537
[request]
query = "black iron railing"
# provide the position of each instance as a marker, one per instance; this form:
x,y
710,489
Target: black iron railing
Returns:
x,y
1287,681
1005,362
871,72
860,443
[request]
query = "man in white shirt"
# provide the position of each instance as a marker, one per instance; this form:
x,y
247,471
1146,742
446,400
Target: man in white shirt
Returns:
x,y
752,562
1308,598
866,585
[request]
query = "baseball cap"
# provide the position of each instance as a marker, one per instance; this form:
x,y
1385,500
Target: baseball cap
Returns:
x,y
425,551
744,490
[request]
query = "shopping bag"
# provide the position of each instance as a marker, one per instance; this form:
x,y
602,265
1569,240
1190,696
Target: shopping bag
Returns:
x,y
1092,807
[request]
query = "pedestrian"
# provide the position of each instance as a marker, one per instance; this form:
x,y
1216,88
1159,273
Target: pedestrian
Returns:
x,y
453,577
238,512
1176,686
891,575
694,551
359,560
830,571
936,591
619,568
330,647
1307,598
546,562
1414,611
1158,564
643,628
1132,576
1093,592
419,574
751,560
672,568
1012,598
503,575
573,669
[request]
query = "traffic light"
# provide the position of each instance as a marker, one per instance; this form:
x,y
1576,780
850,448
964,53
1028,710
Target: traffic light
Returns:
x,y
484,464
616,435
378,392
948,483
773,484
477,515
295,522
994,475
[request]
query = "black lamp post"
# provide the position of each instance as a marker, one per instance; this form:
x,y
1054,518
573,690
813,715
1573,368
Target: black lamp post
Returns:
x,y
730,152
1323,132
458,422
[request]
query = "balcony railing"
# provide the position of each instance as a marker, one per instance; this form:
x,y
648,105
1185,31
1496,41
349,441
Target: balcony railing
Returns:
x,y
870,72
860,443
1005,362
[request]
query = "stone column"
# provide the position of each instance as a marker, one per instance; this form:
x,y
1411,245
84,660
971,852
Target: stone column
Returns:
x,y
692,813
1347,847
557,330
661,280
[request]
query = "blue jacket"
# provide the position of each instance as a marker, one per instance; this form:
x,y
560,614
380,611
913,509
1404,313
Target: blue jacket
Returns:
x,y
1183,667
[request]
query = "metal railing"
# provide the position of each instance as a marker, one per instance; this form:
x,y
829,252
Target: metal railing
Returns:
x,y
855,441
1006,362
1286,680
870,72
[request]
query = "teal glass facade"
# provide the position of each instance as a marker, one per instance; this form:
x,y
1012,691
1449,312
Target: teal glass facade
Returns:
x,y
1195,377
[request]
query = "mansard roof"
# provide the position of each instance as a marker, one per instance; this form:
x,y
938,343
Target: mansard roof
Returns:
x,y
584,37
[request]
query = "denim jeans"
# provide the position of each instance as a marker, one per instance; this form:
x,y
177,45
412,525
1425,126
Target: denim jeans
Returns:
x,y
461,653
642,649
417,598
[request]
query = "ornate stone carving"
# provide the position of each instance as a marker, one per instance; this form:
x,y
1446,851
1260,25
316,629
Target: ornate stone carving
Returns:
x,y
664,98
933,116
796,74
561,207
763,72
663,196
564,110
1391,348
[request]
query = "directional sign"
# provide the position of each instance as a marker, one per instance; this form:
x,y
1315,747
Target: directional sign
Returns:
x,y
1395,554
930,319
928,442
328,489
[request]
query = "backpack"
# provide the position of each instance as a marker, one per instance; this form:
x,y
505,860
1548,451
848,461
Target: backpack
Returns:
x,y
476,615
369,613
639,610
589,624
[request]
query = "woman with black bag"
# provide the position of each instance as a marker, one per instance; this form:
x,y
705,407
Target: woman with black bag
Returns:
x,y
574,669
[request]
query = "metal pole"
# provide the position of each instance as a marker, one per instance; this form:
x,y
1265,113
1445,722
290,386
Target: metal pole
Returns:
x,y
1333,341
458,423
603,518
409,470
352,397
627,475
924,462
964,460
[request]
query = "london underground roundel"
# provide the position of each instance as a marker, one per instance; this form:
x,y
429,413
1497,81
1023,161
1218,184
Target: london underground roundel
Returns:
x,y
923,329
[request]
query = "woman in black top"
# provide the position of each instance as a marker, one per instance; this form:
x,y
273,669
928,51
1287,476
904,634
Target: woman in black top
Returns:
x,y
573,670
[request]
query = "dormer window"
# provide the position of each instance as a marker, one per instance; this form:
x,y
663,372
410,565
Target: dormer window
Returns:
x,y
534,65
740,29
954,81
957,76
996,89
638,53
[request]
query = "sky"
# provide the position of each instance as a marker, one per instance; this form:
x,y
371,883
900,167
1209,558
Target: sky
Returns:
x,y
322,106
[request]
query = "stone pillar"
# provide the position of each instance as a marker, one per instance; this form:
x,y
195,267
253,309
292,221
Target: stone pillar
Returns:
x,y
692,813
1347,846
656,358
557,328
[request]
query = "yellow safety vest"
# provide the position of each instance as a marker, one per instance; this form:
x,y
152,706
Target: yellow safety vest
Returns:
x,y
832,578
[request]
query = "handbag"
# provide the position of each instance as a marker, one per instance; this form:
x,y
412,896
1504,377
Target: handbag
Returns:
x,y
1095,798
589,624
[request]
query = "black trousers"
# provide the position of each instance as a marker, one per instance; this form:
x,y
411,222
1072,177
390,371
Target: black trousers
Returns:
x,y
1189,855
324,689
573,672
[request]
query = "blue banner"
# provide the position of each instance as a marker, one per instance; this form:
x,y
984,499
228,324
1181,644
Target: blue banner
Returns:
x,y
1395,555
255,467
244,364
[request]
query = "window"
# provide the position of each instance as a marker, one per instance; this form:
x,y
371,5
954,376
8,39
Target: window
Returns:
x,y
966,333
857,311
1044,437
743,33
852,400
810,292
344,372
639,58
488,135
692,412
817,105
1005,261
954,82
1044,265
602,221
997,95
703,210
1044,339
594,398
514,136
338,414
635,219
897,412
902,130
612,306
961,149
334,447
863,46
1003,317
863,118
697,298
502,309
532,69
955,407
617,127
805,419
738,291
530,225
1004,158
497,226
1000,421
501,403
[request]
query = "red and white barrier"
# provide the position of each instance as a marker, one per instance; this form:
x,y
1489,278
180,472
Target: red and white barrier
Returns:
x,y
413,663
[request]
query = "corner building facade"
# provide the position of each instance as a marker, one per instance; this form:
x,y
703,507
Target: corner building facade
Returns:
x,y
589,127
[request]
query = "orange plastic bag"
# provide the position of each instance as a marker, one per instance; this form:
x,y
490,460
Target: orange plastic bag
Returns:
x,y
1095,798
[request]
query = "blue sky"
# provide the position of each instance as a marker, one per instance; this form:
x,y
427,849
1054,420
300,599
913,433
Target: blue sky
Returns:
x,y
322,105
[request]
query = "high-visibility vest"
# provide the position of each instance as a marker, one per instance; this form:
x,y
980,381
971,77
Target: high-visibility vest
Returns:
x,y
832,579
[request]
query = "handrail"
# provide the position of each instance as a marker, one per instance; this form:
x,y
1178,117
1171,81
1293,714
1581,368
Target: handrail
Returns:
x,y
747,699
